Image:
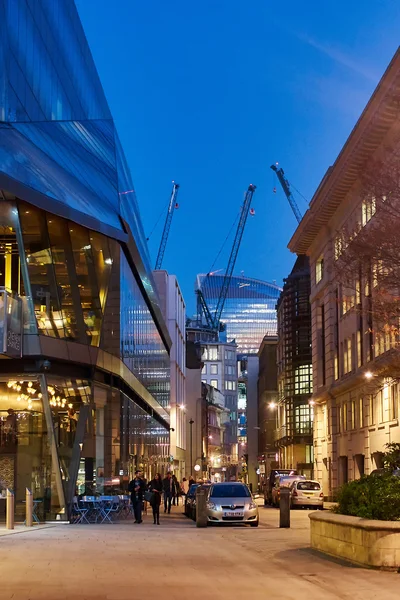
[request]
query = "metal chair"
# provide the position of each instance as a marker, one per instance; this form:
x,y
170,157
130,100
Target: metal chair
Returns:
x,y
79,512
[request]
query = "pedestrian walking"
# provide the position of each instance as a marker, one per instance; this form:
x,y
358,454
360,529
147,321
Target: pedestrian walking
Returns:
x,y
175,491
156,487
168,487
137,488
185,486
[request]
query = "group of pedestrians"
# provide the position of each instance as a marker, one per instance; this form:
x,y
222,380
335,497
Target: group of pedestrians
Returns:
x,y
168,489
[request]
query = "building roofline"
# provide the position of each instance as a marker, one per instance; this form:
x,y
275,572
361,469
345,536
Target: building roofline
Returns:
x,y
273,285
376,119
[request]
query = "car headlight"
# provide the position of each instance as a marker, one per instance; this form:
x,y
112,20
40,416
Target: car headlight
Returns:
x,y
252,505
211,505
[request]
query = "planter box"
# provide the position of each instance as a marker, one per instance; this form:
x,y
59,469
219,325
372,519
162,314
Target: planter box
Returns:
x,y
367,543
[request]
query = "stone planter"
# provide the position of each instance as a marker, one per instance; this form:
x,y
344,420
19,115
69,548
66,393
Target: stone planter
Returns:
x,y
368,543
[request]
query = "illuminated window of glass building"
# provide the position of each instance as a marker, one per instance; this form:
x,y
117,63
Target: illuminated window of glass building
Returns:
x,y
250,308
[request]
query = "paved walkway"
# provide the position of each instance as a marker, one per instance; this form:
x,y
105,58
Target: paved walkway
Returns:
x,y
177,561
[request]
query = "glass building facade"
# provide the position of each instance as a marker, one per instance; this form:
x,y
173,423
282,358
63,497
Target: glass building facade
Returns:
x,y
250,308
84,392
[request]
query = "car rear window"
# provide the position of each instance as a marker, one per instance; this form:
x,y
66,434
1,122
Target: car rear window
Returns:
x,y
229,491
308,485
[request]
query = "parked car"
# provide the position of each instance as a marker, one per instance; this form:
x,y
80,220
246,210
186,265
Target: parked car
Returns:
x,y
190,497
231,502
270,482
283,481
307,493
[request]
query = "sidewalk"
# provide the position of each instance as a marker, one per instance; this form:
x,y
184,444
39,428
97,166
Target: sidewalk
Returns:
x,y
23,529
176,560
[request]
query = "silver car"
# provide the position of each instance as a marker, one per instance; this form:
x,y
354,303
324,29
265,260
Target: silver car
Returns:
x,y
307,493
231,502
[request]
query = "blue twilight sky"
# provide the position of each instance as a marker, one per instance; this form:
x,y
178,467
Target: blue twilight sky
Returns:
x,y
211,93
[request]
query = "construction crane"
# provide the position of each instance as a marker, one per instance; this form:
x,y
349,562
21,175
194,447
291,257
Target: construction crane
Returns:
x,y
164,238
213,321
286,188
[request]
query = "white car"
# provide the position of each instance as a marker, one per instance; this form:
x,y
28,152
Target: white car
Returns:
x,y
307,493
231,502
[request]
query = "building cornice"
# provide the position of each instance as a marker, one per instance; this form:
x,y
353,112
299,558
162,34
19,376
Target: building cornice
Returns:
x,y
371,128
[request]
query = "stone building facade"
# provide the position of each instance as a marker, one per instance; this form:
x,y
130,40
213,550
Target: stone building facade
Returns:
x,y
353,420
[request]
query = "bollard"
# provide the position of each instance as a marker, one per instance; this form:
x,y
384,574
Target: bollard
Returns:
x,y
284,507
10,509
29,508
201,505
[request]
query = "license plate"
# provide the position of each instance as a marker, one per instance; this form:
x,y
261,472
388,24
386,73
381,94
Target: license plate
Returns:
x,y
308,494
233,514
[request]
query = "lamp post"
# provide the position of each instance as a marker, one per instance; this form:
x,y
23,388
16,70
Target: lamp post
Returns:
x,y
191,446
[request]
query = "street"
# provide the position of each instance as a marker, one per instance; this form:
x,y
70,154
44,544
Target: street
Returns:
x,y
177,560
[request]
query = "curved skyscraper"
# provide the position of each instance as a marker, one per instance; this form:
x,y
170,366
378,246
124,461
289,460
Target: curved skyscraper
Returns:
x,y
250,308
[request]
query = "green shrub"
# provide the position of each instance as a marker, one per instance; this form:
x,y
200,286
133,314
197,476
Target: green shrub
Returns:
x,y
371,497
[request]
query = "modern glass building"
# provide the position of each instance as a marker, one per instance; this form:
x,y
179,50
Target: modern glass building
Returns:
x,y
84,384
250,308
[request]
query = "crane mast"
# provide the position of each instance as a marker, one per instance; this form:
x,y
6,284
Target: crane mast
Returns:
x,y
286,188
234,252
167,225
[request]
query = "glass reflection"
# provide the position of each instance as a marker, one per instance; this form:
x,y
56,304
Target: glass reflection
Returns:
x,y
142,348
25,455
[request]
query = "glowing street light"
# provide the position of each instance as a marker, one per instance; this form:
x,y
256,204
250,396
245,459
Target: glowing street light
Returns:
x,y
272,405
368,375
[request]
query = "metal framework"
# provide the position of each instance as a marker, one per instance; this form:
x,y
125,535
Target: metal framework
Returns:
x,y
234,252
286,188
167,225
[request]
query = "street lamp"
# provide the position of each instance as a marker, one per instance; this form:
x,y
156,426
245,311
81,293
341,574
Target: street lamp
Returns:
x,y
272,405
368,375
191,446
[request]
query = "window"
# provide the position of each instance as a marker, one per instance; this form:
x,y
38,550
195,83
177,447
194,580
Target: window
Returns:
x,y
213,353
361,412
336,365
303,380
359,348
347,303
308,485
394,401
344,417
319,269
303,419
309,454
368,209
347,358
353,414
214,383
358,291
229,385
371,410
204,370
214,369
339,246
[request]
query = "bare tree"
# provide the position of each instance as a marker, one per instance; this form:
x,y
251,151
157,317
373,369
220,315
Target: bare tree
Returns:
x,y
367,256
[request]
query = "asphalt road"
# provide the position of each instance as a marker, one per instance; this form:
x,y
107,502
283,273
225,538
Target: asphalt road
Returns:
x,y
178,561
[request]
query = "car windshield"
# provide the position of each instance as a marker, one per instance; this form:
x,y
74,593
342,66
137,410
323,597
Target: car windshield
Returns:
x,y
308,485
226,490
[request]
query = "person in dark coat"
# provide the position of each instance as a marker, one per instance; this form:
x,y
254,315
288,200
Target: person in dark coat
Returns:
x,y
168,488
137,488
175,491
156,486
